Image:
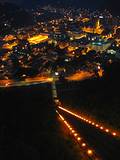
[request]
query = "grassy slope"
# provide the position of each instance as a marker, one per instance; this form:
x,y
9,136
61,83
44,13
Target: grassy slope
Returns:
x,y
29,128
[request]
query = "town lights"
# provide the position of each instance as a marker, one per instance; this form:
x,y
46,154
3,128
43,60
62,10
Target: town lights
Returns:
x,y
83,145
6,85
75,134
101,127
107,130
73,131
89,152
78,138
114,134
97,125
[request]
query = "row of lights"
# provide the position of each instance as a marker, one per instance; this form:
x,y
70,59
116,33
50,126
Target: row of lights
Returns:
x,y
83,145
90,122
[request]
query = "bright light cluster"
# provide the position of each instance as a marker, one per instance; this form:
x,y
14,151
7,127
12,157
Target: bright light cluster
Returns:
x,y
81,142
37,39
9,46
97,125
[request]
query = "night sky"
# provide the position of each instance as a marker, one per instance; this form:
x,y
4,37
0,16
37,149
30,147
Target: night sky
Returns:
x,y
112,5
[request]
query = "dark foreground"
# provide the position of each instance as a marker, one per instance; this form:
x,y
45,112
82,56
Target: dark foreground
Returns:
x,y
29,127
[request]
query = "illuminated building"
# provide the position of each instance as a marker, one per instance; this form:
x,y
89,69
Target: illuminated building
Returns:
x,y
9,38
99,45
98,29
37,39
9,46
85,20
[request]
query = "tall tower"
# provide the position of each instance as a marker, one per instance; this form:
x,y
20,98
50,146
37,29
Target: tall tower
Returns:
x,y
98,25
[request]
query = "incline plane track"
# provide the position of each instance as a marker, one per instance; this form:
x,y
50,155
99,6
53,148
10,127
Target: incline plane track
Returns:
x,y
105,143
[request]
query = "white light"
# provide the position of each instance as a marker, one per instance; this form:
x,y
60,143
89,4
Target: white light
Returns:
x,y
56,73
101,17
66,60
98,67
114,134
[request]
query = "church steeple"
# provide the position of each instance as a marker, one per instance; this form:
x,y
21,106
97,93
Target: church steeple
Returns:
x,y
98,25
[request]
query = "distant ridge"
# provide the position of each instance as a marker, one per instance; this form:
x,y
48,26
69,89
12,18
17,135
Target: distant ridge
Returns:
x,y
112,5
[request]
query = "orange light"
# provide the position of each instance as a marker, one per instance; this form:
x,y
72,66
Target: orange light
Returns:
x,y
114,134
107,130
78,138
88,121
83,144
79,75
61,117
73,131
89,152
6,84
9,46
75,134
101,127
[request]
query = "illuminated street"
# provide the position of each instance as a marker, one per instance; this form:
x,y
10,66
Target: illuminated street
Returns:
x,y
44,79
27,82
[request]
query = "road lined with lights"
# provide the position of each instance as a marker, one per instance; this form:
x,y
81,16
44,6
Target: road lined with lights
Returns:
x,y
103,140
27,82
43,79
88,153
95,124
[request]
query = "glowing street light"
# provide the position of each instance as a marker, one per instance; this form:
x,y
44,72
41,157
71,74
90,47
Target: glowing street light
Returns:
x,y
89,152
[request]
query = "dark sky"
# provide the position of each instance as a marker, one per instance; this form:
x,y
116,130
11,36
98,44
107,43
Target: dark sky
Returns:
x,y
90,2
109,4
